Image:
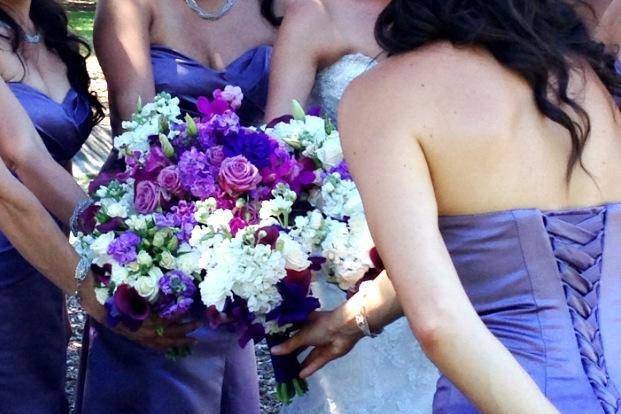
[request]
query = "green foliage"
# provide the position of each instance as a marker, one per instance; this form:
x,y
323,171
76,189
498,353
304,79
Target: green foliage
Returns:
x,y
81,22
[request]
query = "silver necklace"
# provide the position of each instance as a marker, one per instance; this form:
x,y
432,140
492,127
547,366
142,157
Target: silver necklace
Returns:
x,y
28,38
226,7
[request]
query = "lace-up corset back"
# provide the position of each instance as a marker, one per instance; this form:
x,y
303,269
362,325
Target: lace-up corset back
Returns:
x,y
548,285
332,81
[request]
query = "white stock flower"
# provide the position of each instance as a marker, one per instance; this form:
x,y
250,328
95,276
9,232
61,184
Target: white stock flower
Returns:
x,y
204,209
219,220
138,222
188,262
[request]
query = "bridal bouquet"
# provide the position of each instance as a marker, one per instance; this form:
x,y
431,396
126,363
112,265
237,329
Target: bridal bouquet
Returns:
x,y
335,230
198,225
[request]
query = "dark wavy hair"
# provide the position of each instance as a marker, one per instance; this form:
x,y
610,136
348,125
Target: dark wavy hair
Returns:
x,y
267,10
51,20
542,40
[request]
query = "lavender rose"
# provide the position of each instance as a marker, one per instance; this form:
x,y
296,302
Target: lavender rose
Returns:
x,y
170,180
215,155
147,197
238,175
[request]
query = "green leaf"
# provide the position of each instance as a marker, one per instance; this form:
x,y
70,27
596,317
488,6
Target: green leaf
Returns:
x,y
297,111
167,147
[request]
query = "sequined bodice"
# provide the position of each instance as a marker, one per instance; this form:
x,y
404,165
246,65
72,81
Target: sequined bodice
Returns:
x,y
332,81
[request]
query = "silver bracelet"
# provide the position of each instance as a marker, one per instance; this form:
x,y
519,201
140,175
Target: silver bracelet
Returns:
x,y
361,318
77,212
81,273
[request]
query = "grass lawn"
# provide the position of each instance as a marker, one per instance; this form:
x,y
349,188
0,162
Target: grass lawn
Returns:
x,y
82,23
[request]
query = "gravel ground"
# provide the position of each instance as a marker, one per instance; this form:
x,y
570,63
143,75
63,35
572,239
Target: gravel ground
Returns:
x,y
86,165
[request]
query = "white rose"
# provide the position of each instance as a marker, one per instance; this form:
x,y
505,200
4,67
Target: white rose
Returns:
x,y
102,295
144,259
167,260
99,249
148,287
119,274
296,259
117,210
330,153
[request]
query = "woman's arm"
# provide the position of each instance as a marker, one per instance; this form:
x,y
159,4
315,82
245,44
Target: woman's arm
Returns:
x,y
609,28
390,168
333,334
23,151
305,39
122,42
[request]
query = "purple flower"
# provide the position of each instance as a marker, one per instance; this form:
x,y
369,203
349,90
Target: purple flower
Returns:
x,y
237,224
156,160
87,219
343,170
178,290
123,248
304,176
238,175
170,180
181,216
147,197
281,166
232,94
196,177
218,126
208,108
254,145
127,306
215,155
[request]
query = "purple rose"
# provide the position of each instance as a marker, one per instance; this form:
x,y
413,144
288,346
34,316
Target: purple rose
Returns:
x,y
238,175
170,180
123,248
147,197
215,155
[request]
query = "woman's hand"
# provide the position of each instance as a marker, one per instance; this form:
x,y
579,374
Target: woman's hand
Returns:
x,y
330,337
155,333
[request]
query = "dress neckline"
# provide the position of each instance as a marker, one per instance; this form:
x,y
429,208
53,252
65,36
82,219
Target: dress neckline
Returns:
x,y
68,95
156,46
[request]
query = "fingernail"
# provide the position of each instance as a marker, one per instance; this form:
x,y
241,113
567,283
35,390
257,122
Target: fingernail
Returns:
x,y
276,349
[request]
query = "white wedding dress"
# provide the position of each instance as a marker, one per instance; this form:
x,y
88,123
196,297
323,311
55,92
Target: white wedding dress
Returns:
x,y
386,375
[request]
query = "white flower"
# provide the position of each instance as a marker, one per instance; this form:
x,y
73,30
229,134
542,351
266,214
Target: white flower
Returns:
x,y
148,286
188,262
102,295
144,259
117,210
99,249
167,260
289,133
295,257
330,153
119,274
138,222
204,209
219,220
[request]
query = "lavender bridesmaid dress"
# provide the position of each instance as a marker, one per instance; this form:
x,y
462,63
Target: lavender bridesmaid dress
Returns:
x,y
219,376
33,339
548,285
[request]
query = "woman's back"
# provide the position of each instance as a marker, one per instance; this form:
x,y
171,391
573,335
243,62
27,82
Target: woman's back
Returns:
x,y
487,145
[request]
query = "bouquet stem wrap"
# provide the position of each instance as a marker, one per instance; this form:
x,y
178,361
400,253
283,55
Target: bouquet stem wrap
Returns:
x,y
286,372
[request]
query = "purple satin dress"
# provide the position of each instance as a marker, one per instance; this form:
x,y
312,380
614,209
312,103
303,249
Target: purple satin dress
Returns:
x,y
548,285
33,339
219,377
